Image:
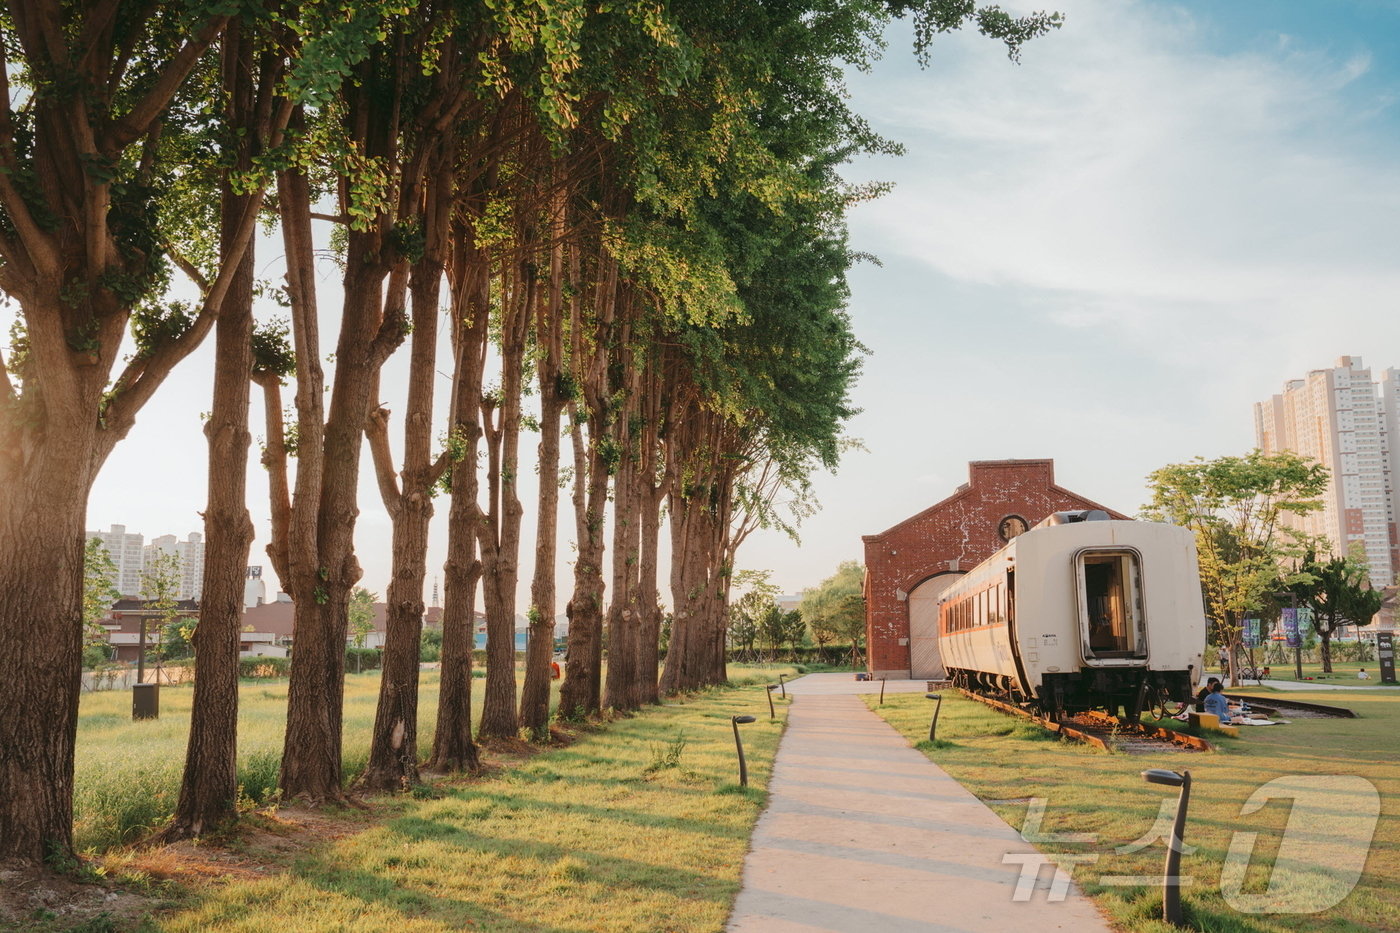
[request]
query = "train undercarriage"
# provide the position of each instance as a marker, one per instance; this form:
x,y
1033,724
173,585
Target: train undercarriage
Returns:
x,y
1125,692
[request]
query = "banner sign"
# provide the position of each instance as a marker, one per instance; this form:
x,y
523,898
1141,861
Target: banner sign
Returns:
x,y
1385,653
1290,628
1251,632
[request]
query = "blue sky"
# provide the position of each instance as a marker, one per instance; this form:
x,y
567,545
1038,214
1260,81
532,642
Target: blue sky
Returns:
x,y
1106,254
1103,255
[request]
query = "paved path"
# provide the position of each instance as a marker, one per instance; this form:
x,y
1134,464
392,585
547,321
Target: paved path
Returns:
x,y
863,833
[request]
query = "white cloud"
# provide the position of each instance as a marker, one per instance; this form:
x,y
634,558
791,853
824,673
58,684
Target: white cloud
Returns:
x,y
1132,178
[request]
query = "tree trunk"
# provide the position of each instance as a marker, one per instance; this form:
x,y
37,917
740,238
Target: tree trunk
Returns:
x,y
311,764
581,693
209,789
500,528
41,585
539,650
393,756
1325,636
453,747
649,604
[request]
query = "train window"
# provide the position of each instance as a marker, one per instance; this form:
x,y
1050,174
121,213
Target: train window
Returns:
x,y
1111,600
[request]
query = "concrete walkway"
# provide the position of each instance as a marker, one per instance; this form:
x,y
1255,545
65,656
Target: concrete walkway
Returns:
x,y
863,833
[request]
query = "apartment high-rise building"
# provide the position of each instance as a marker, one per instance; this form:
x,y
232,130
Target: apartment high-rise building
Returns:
x,y
127,555
1344,420
191,556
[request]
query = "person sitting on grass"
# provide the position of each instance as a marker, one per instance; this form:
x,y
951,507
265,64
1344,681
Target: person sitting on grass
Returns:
x,y
1217,703
1362,675
1205,692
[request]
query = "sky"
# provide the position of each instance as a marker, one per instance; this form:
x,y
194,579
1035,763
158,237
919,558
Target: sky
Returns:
x,y
1104,255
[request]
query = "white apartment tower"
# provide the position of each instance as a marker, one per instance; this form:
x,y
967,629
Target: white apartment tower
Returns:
x,y
127,555
1339,418
191,555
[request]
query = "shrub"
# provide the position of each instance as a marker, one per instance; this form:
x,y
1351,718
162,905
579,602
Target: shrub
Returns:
x,y
362,659
264,668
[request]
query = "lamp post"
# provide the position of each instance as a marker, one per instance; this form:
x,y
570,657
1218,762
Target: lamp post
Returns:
x,y
882,691
736,722
937,705
771,713
1171,873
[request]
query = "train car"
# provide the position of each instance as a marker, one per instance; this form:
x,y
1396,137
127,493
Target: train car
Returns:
x,y
1079,612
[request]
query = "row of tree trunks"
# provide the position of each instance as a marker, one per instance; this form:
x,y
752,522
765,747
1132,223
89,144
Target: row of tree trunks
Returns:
x,y
621,691
393,757
498,527
554,395
581,692
454,748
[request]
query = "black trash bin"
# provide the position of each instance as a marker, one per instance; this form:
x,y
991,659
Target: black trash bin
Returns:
x,y
145,701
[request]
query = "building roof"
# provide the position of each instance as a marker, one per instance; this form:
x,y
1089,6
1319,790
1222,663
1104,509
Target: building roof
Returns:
x,y
978,469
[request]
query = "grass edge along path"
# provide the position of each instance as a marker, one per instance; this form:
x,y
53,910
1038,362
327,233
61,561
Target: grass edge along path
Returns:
x,y
1017,768
638,824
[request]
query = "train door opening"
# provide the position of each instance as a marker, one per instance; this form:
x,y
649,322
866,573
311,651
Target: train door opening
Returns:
x,y
1111,606
925,659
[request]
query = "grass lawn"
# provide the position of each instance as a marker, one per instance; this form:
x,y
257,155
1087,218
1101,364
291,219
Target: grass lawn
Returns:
x,y
1343,673
128,772
1007,763
639,824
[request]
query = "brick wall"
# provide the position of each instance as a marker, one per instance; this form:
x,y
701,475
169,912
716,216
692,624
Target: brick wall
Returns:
x,y
956,534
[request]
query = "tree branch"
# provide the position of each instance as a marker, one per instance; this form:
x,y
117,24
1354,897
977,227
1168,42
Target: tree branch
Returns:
x,y
274,460
200,280
377,432
172,74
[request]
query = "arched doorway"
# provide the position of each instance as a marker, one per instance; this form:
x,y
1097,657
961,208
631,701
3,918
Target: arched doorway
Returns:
x,y
925,660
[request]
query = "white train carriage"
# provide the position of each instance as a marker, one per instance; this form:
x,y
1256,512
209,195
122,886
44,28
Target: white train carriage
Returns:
x,y
1077,613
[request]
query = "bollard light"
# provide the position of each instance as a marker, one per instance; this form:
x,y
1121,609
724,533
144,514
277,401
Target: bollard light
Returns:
x,y
937,705
882,691
782,686
771,688
1171,874
736,722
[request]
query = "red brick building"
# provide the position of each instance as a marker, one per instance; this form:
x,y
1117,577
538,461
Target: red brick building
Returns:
x,y
909,565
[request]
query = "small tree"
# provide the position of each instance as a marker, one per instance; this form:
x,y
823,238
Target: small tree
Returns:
x,y
835,610
743,632
361,615
1338,591
99,593
160,584
794,630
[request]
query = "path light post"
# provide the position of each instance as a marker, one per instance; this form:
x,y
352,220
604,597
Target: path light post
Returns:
x,y
882,691
937,705
1171,874
736,722
771,714
782,686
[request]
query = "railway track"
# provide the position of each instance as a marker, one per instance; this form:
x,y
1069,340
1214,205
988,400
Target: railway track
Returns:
x,y
1294,709
1106,732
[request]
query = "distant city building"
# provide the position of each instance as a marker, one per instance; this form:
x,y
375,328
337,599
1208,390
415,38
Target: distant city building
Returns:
x,y
191,555
1350,424
130,555
127,556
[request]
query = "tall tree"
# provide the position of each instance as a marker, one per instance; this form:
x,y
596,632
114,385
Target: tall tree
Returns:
x,y
253,64
86,91
1236,507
